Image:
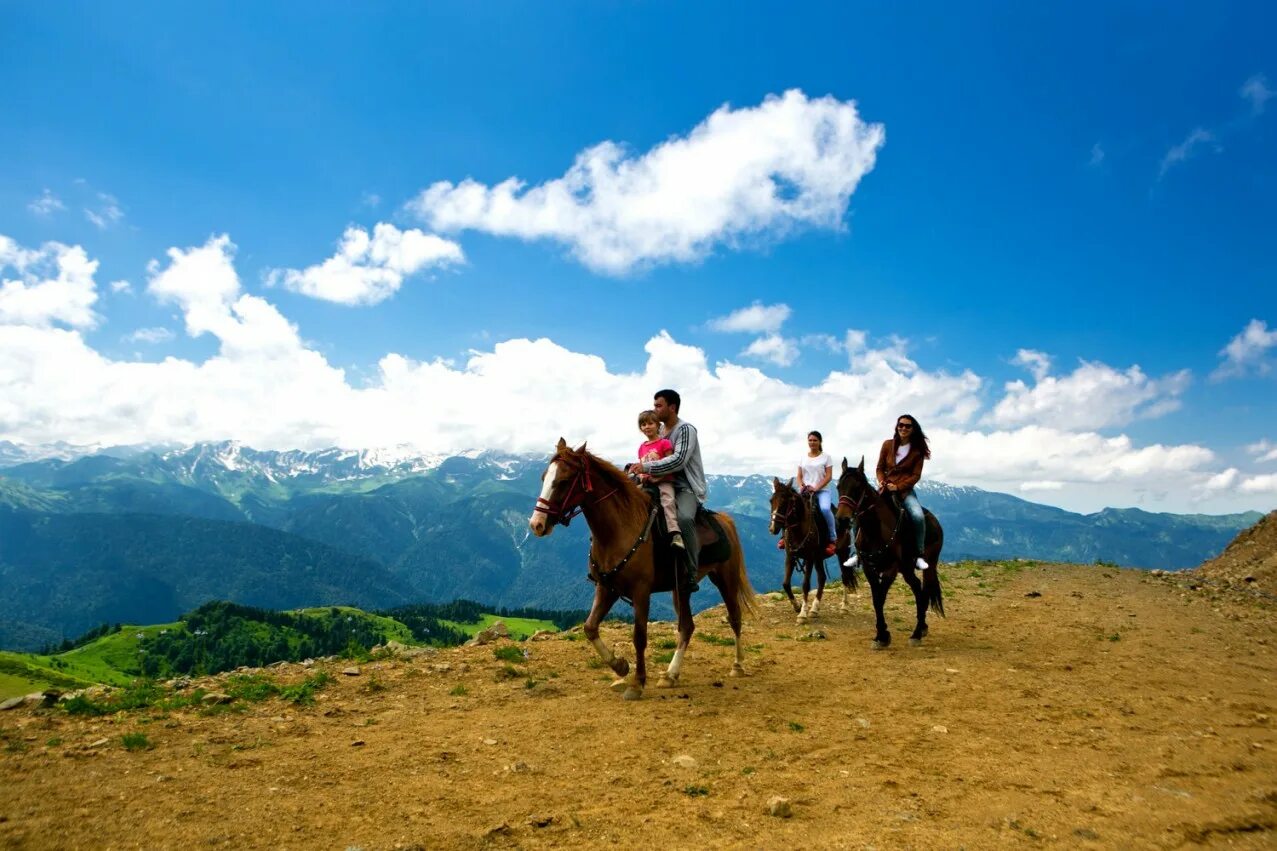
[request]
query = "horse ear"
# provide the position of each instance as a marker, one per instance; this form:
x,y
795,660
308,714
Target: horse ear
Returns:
x,y
775,482
563,444
862,464
790,483
844,463
580,450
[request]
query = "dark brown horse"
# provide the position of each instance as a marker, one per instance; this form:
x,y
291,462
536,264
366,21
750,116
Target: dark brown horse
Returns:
x,y
884,544
796,519
626,561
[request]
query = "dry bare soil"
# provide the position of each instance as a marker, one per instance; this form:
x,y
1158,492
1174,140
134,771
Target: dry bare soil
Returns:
x,y
1057,705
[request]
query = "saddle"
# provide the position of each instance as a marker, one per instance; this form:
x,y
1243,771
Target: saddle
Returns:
x,y
714,544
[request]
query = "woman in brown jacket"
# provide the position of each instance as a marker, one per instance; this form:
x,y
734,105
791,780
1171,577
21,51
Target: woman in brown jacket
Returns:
x,y
900,468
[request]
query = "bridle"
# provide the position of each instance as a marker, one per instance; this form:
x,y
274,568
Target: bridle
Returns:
x,y
862,506
580,489
787,519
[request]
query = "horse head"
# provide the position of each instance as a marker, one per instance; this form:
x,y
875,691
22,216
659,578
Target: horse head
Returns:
x,y
784,505
565,483
855,493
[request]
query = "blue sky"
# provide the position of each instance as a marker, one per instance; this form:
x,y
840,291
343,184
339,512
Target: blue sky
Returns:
x,y
1080,198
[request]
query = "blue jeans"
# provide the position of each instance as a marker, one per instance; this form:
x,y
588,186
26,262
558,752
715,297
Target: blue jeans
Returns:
x,y
824,500
919,520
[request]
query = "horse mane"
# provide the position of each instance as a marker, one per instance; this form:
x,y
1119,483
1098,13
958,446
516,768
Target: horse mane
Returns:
x,y
626,490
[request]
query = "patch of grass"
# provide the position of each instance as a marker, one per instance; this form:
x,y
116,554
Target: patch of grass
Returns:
x,y
748,770
303,693
663,658
594,662
716,640
508,672
374,685
796,727
136,742
696,791
459,690
529,683
53,743
253,688
509,653
666,644
1117,636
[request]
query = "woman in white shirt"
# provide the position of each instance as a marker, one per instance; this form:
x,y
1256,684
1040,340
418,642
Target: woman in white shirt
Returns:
x,y
814,474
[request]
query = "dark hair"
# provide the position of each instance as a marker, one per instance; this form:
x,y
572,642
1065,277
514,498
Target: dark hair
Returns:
x,y
917,437
647,417
818,436
671,398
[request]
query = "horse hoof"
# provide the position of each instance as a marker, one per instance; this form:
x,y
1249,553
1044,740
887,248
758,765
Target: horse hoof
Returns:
x,y
632,693
666,681
620,684
877,645
802,620
737,670
621,667
915,642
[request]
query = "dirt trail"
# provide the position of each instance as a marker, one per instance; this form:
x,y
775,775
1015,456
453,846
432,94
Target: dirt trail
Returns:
x,y
1115,710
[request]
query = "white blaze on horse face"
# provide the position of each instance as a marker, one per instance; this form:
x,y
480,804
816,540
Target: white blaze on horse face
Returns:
x,y
537,522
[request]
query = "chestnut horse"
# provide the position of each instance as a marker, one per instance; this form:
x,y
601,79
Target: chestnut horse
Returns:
x,y
795,518
884,544
627,562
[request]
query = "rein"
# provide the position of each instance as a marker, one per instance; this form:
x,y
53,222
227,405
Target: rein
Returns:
x,y
605,577
796,507
870,556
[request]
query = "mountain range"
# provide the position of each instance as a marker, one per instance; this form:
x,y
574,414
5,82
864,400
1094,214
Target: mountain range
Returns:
x,y
140,534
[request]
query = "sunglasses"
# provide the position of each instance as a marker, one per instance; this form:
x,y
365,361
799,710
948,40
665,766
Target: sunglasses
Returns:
x,y
904,425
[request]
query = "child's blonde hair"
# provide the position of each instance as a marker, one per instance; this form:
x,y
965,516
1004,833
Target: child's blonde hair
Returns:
x,y
646,417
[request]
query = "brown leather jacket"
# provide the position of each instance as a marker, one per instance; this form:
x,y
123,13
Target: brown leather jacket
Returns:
x,y
904,475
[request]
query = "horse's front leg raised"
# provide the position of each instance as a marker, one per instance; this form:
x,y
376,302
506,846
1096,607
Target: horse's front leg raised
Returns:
x,y
683,604
920,597
603,602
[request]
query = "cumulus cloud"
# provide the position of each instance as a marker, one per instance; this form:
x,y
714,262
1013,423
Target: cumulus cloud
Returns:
x,y
1197,138
1263,450
1247,352
266,387
1256,91
46,205
741,174
122,287
54,283
368,269
1093,396
774,349
1265,484
758,318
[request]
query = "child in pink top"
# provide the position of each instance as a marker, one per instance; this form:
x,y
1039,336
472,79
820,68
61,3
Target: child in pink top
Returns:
x,y
653,449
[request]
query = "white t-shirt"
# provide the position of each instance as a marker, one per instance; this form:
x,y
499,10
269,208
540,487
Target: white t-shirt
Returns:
x,y
814,468
901,451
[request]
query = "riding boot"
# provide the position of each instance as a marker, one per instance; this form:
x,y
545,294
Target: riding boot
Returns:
x,y
689,569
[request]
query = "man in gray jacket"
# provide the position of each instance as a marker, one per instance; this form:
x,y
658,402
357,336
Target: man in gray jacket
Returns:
x,y
685,466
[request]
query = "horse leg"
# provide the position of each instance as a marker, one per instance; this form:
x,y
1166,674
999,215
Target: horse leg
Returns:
x,y
789,575
804,614
642,602
603,602
820,588
920,597
883,637
685,627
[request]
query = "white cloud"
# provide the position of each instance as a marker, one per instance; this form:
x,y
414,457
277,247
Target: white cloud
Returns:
x,y
1264,484
1093,396
46,205
370,199
1097,155
121,287
1247,352
369,269
54,283
1037,363
108,212
149,335
266,387
1181,152
1256,91
758,318
741,174
1264,450
772,348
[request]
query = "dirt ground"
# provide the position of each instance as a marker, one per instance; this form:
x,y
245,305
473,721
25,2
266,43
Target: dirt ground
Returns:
x,y
1074,706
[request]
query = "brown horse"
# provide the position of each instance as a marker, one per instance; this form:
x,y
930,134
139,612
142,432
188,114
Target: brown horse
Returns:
x,y
885,549
796,518
627,562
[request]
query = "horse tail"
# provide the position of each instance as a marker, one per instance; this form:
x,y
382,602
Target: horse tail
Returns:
x,y
931,587
745,594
